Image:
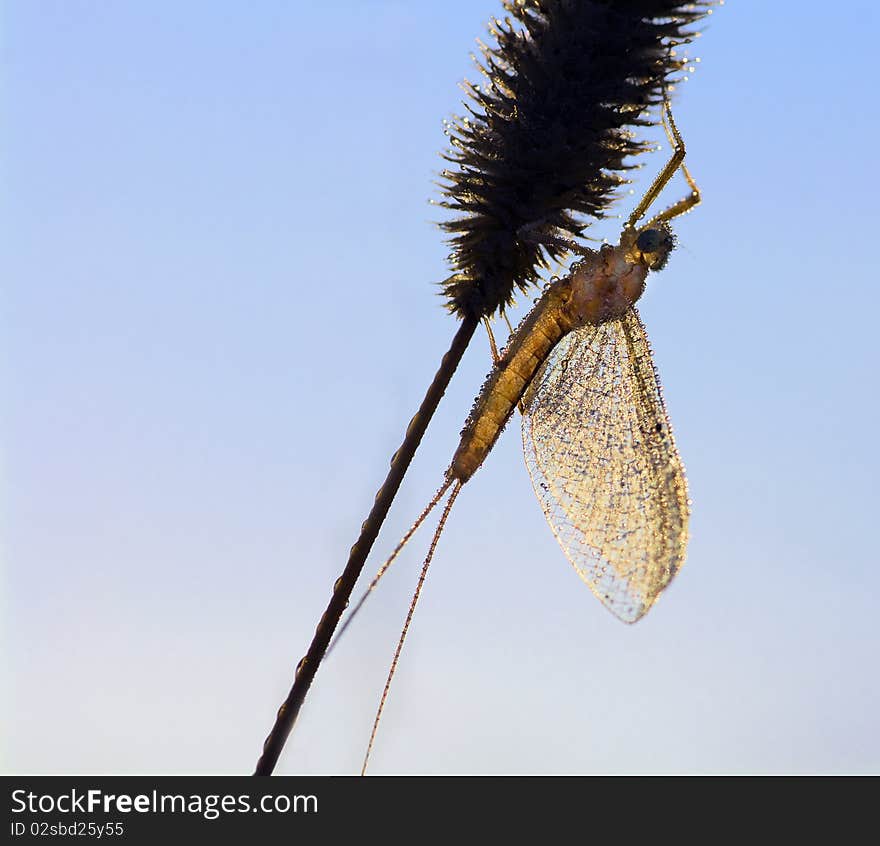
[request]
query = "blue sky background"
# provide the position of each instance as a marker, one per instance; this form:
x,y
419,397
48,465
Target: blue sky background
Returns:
x,y
219,311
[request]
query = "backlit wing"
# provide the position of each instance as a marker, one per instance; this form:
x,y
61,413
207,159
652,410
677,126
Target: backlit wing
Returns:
x,y
603,462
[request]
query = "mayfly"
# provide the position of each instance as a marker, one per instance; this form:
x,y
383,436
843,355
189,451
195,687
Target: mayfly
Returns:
x,y
596,438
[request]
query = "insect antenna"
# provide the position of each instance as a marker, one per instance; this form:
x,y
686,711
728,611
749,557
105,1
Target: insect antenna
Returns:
x,y
412,608
390,560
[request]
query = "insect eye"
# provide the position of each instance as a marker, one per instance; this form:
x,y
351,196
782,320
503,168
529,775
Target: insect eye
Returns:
x,y
649,240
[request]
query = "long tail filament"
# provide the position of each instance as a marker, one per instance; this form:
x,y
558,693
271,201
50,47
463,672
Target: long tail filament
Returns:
x,y
384,568
409,616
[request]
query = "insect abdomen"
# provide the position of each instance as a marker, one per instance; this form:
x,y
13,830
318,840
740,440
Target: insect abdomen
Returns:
x,y
528,348
601,288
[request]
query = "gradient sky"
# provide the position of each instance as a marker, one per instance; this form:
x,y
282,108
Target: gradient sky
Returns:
x,y
219,310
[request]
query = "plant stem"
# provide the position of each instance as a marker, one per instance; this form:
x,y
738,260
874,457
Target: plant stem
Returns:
x,y
308,666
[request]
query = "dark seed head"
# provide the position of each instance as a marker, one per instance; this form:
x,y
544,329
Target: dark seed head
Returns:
x,y
549,133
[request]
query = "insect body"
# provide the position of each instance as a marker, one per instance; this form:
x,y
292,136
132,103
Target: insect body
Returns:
x,y
602,287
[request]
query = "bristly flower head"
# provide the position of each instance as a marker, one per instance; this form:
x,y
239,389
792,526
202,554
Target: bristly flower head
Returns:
x,y
549,133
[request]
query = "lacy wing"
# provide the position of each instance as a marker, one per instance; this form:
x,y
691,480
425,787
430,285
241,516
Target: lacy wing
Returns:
x,y
603,462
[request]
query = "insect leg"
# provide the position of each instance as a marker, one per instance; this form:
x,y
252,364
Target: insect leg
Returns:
x,y
676,161
496,356
686,203
492,345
